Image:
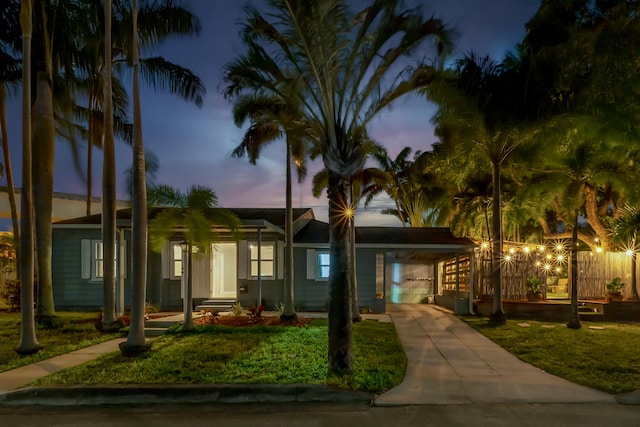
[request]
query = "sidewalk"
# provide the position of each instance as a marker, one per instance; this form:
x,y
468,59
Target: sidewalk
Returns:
x,y
448,362
16,378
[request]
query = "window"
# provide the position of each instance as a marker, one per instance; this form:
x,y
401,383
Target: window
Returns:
x,y
176,260
92,259
322,262
267,258
98,259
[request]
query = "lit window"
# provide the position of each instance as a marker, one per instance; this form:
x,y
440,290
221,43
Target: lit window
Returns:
x,y
98,260
176,260
267,257
323,262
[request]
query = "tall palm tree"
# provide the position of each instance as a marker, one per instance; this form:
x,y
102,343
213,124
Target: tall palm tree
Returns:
x,y
161,19
342,63
10,76
49,58
481,107
270,119
28,342
197,211
109,320
136,342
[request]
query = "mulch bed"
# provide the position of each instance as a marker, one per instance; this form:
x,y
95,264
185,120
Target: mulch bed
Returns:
x,y
248,321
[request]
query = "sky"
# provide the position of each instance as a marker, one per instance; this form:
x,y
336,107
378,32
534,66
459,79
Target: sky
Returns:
x,y
193,144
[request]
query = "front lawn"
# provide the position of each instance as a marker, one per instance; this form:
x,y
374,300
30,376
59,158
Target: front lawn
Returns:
x,y
74,331
600,355
250,355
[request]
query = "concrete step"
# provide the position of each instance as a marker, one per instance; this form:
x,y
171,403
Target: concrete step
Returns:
x,y
154,332
216,304
159,323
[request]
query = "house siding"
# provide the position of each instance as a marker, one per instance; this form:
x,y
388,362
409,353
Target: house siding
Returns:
x,y
309,294
366,276
70,290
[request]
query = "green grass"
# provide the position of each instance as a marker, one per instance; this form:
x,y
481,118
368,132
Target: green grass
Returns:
x,y
250,355
74,331
607,360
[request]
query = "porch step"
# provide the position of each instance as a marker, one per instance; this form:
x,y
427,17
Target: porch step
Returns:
x,y
154,332
217,304
155,327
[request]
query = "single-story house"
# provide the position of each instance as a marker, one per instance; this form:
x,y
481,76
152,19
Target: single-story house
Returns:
x,y
393,264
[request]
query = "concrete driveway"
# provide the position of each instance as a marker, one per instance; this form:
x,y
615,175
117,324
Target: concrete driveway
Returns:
x,y
451,363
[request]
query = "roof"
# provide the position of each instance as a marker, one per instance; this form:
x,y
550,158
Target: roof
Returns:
x,y
317,232
274,216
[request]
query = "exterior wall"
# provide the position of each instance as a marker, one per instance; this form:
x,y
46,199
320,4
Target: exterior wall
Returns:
x,y
313,294
70,290
272,292
309,294
366,270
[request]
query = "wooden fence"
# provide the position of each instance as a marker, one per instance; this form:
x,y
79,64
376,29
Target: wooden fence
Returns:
x,y
594,271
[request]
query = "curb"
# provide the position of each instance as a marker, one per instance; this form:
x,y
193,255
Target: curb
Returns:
x,y
154,394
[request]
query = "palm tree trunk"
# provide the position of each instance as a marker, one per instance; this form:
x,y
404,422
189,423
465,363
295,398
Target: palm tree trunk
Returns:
x,y
90,157
188,304
574,320
43,160
355,308
289,312
136,342
497,316
634,267
28,342
109,321
340,324
634,287
9,172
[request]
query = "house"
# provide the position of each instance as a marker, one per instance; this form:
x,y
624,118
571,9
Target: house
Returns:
x,y
393,264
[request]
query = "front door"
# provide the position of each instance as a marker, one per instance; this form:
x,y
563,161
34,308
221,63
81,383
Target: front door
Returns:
x,y
224,277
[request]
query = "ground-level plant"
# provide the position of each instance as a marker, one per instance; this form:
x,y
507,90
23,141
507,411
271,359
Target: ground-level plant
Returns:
x,y
605,359
254,354
72,331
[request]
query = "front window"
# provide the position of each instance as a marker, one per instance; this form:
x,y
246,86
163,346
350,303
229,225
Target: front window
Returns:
x,y
98,260
323,262
267,258
176,260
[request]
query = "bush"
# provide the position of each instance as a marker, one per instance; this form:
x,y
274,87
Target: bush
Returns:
x,y
11,294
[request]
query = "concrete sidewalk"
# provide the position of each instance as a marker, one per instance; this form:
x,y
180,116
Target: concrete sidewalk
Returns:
x,y
448,362
19,377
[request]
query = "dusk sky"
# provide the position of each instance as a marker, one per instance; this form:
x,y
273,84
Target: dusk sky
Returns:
x,y
193,145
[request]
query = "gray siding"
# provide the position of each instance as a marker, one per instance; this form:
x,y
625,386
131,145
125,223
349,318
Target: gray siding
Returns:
x,y
366,275
272,292
70,291
308,294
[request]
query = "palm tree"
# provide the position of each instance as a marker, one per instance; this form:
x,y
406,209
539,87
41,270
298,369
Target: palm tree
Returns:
x,y
625,229
341,64
161,20
10,76
109,320
28,342
270,118
136,342
197,211
480,107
